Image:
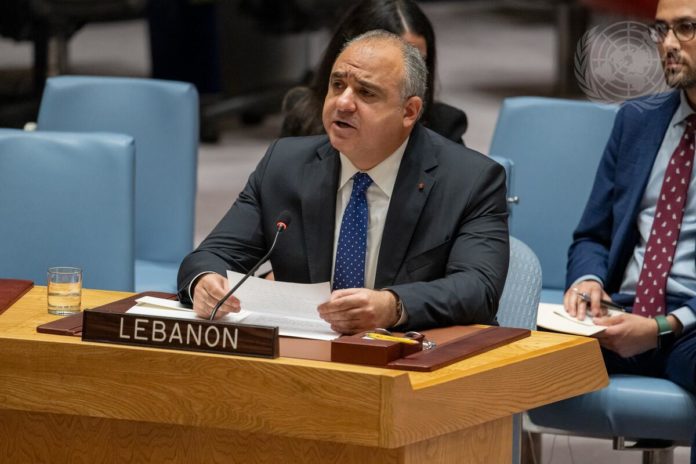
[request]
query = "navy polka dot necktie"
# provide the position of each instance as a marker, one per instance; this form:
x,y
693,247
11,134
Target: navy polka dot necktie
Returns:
x,y
349,271
664,234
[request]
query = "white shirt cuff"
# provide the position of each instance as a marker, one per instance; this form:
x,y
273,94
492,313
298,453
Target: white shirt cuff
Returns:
x,y
193,282
587,277
686,316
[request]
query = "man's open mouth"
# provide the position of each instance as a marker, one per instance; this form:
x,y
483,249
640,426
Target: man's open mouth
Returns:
x,y
343,125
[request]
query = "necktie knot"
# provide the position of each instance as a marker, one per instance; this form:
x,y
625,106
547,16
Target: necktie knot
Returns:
x,y
361,182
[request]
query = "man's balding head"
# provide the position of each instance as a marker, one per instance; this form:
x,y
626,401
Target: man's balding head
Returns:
x,y
375,97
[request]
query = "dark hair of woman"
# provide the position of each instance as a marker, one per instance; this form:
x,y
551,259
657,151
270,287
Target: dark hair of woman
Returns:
x,y
303,104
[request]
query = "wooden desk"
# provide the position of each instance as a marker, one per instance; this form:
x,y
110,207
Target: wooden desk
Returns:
x,y
62,400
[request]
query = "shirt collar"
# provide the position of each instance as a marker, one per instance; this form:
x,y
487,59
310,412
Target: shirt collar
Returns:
x,y
383,175
683,111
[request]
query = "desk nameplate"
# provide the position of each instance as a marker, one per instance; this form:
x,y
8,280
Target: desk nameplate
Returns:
x,y
180,334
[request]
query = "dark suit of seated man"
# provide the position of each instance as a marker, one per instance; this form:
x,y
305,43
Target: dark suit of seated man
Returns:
x,y
636,239
410,227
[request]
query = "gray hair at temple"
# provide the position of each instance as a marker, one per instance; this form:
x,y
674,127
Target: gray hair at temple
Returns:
x,y
415,71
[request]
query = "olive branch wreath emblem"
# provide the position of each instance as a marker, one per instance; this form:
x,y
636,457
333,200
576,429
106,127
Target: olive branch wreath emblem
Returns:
x,y
603,91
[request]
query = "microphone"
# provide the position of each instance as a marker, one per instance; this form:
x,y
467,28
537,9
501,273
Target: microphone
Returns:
x,y
282,224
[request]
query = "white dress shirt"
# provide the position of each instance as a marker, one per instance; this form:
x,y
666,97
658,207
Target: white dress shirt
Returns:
x,y
378,195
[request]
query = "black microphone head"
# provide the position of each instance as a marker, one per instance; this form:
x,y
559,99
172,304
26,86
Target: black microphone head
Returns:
x,y
283,220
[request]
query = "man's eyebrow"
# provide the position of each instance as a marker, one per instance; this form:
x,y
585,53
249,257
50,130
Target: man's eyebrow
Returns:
x,y
373,86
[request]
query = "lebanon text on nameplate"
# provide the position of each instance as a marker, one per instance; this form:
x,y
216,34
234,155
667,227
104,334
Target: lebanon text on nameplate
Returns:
x,y
180,334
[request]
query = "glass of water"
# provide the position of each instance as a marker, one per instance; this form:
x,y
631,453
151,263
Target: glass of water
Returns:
x,y
64,290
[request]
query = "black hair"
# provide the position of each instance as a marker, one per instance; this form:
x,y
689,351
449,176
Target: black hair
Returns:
x,y
396,16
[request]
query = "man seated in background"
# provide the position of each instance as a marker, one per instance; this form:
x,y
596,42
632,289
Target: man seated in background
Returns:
x,y
411,228
636,240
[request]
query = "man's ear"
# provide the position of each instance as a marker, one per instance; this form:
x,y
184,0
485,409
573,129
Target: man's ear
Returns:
x,y
412,111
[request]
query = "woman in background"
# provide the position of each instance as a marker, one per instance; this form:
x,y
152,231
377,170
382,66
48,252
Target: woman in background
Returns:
x,y
303,105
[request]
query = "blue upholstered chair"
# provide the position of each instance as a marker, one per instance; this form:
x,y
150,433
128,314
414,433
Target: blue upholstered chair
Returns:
x,y
518,306
655,413
555,146
162,117
508,165
67,200
520,299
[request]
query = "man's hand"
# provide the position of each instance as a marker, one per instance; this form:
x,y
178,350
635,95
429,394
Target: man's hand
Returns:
x,y
627,334
353,310
577,307
209,289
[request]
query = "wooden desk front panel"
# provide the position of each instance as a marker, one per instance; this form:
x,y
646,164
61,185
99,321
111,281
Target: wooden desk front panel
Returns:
x,y
294,398
29,437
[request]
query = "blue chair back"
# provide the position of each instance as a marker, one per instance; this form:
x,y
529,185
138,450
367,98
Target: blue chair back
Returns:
x,y
518,307
162,117
555,146
653,412
509,166
519,302
67,200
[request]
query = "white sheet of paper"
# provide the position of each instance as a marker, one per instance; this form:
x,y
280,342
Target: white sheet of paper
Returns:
x,y
157,307
554,317
280,298
290,307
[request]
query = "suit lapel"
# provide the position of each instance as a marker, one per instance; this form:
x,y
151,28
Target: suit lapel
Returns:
x,y
652,127
318,195
411,190
647,146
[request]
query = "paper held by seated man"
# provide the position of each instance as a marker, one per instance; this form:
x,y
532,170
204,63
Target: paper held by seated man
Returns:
x,y
290,307
554,317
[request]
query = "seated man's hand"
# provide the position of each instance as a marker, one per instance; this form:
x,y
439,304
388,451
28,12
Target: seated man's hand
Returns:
x,y
627,334
208,290
353,310
577,307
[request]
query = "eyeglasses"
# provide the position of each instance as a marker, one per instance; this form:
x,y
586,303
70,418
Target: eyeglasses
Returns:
x,y
683,31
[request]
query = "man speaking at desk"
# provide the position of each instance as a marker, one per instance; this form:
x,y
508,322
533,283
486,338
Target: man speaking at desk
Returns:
x,y
410,228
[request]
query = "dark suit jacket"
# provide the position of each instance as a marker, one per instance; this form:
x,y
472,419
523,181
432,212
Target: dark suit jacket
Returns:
x,y
608,233
445,244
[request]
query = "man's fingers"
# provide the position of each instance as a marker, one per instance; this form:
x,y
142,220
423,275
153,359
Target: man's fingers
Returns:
x,y
584,299
596,305
343,301
609,320
341,316
570,301
336,294
208,292
582,309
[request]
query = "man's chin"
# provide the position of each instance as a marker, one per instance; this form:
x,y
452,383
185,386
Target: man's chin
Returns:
x,y
680,80
340,142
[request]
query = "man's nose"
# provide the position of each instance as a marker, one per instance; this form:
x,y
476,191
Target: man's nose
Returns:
x,y
670,41
346,101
